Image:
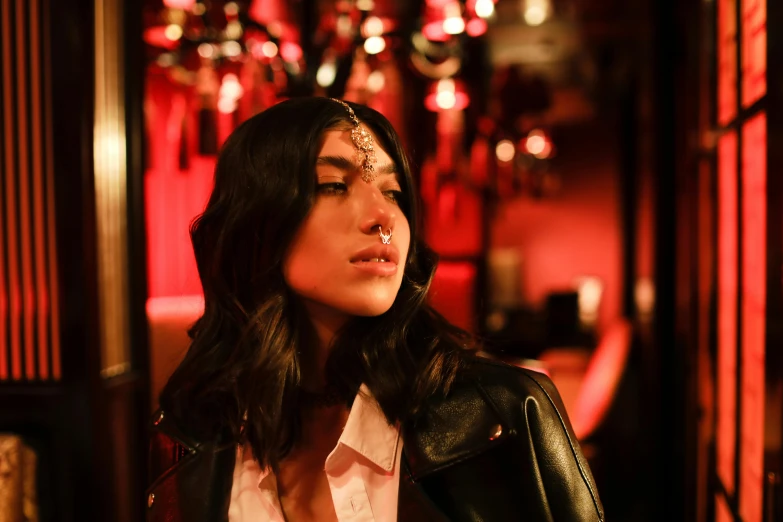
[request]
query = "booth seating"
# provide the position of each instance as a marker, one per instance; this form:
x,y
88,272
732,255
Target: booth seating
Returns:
x,y
169,320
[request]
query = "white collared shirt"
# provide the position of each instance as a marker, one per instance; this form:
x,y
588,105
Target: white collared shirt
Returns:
x,y
363,471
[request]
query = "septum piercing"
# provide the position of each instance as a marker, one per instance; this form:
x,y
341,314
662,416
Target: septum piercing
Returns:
x,y
385,238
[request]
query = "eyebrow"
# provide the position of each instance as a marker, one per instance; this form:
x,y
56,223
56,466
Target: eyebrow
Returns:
x,y
343,163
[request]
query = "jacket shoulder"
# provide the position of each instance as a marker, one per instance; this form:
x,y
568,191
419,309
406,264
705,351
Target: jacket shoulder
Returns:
x,y
189,479
511,420
507,387
478,412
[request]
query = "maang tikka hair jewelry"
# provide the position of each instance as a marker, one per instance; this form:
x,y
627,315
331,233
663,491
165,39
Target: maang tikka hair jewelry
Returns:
x,y
364,143
385,238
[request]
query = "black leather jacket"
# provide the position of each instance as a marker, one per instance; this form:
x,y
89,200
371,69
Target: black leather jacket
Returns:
x,y
498,447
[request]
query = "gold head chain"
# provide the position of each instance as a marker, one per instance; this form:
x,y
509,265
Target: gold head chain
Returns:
x,y
364,143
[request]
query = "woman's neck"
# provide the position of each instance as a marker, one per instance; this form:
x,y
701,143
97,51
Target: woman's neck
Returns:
x,y
317,346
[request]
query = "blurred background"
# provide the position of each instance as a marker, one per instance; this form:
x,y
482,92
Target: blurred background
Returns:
x,y
597,177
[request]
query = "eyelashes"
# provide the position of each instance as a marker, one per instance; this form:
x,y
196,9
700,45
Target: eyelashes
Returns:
x,y
331,188
338,188
397,196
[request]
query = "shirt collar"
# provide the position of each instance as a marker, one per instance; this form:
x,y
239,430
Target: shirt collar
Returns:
x,y
368,433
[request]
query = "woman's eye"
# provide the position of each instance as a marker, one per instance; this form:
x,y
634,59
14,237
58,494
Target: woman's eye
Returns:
x,y
332,188
394,195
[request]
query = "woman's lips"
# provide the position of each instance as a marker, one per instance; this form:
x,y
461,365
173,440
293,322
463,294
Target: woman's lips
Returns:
x,y
378,260
379,268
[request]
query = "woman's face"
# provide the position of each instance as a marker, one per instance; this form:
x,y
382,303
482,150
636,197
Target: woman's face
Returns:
x,y
337,260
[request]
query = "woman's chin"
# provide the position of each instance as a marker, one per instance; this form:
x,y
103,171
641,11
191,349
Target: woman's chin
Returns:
x,y
357,302
368,301
373,309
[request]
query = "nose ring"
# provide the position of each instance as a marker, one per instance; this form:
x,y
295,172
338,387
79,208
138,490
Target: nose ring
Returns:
x,y
385,238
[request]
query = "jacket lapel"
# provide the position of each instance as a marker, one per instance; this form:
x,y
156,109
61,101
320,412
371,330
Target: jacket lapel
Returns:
x,y
413,505
452,429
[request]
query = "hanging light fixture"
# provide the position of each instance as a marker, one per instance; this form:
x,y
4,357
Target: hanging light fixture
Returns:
x,y
444,19
201,33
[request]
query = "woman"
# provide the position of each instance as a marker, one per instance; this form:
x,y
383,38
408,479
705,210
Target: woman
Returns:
x,y
319,385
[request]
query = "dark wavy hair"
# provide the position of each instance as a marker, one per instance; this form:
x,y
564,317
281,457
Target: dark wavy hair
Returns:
x,y
240,377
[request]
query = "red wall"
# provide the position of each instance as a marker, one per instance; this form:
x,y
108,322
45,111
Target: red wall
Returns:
x,y
575,232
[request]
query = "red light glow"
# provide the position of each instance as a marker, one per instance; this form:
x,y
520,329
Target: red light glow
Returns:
x,y
727,309
156,36
538,144
373,26
374,45
173,32
754,308
454,25
452,292
476,27
722,511
268,49
482,8
754,50
447,94
535,144
434,32
727,60
505,150
601,379
461,101
290,52
179,4
267,11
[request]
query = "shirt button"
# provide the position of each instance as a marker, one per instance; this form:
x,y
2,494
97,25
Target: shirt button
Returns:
x,y
355,505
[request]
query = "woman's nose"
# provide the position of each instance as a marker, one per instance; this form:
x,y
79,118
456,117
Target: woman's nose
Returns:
x,y
377,211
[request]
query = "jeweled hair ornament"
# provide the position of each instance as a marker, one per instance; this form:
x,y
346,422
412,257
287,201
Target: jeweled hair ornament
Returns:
x,y
385,238
364,143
